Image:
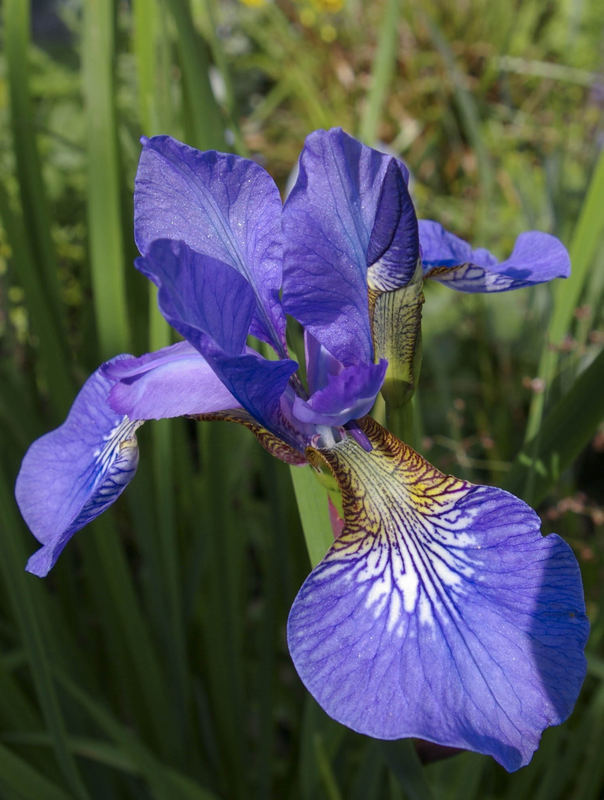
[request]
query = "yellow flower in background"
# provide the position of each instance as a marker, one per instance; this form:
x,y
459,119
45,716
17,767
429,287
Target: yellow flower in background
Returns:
x,y
308,11
328,33
307,16
328,6
313,14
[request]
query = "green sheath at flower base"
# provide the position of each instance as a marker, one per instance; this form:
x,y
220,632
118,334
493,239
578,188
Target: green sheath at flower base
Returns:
x,y
396,318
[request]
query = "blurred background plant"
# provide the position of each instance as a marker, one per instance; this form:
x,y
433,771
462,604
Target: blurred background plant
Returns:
x,y
152,663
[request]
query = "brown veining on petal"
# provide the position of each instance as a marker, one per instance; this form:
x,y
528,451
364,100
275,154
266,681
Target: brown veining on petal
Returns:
x,y
380,486
271,443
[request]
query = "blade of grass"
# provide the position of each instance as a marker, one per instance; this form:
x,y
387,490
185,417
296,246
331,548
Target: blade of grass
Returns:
x,y
210,31
206,127
33,254
370,775
470,779
382,72
128,633
586,239
52,362
164,782
468,113
151,39
278,39
25,613
16,708
152,45
590,315
23,781
560,767
402,759
564,432
328,779
395,791
595,666
273,559
320,739
590,776
92,749
103,190
21,426
220,599
16,41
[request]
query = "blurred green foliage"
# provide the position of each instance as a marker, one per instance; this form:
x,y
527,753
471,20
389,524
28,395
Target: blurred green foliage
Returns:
x,y
152,663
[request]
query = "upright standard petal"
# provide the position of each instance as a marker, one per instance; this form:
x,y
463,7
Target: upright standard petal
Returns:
x,y
536,258
440,611
72,474
348,221
222,206
211,305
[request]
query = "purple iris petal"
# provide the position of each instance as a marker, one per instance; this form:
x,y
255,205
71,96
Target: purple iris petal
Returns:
x,y
346,395
393,249
72,474
171,382
338,394
440,611
349,210
260,386
222,206
536,258
319,363
211,305
200,295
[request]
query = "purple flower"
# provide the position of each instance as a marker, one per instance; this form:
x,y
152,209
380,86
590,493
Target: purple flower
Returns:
x,y
440,611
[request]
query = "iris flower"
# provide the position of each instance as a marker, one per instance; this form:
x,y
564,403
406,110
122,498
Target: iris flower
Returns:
x,y
440,611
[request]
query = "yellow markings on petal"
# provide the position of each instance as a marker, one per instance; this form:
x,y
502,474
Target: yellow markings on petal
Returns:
x,y
405,533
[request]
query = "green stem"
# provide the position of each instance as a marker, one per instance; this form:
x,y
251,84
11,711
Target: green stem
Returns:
x,y
314,512
400,422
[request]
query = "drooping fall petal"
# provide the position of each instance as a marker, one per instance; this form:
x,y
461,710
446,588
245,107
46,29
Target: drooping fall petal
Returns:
x,y
536,258
72,474
440,611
